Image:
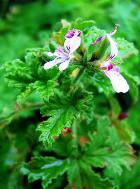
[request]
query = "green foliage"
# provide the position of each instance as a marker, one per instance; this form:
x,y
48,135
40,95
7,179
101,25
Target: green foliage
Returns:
x,y
60,118
80,175
106,150
67,101
127,178
46,169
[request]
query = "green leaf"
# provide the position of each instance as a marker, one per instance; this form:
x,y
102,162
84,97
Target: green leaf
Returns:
x,y
45,89
83,25
22,98
45,168
133,82
106,150
17,73
102,83
81,176
59,119
115,106
127,178
125,48
134,120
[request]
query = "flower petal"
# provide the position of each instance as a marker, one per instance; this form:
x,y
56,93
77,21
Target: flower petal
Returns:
x,y
50,54
106,64
118,81
113,45
115,30
98,40
64,65
73,32
59,52
52,63
72,44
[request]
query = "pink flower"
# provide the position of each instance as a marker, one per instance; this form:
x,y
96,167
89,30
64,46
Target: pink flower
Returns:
x,y
113,72
64,56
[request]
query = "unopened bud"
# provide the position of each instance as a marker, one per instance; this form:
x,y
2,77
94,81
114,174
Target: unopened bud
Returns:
x,y
123,115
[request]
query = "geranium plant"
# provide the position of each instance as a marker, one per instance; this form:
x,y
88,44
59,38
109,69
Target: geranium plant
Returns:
x,y
82,134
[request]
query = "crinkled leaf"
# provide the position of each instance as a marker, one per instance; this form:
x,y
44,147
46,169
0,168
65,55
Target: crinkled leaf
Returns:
x,y
106,150
81,176
102,83
125,48
45,168
58,120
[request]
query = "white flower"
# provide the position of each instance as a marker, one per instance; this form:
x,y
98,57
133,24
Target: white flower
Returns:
x,y
118,82
63,57
113,72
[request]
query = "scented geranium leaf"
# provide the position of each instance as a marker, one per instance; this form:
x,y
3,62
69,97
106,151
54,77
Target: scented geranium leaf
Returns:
x,y
59,119
45,168
122,127
84,103
102,83
133,121
115,106
125,132
22,73
30,76
22,98
63,110
45,89
81,176
129,178
83,24
17,73
74,176
93,180
106,150
134,82
125,48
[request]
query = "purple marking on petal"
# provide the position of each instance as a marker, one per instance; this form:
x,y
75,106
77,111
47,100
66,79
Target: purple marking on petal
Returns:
x,y
59,52
70,34
97,40
60,49
73,32
112,56
68,48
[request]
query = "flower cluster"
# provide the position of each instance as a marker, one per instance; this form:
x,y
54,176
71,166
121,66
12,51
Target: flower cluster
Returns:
x,y
113,72
72,42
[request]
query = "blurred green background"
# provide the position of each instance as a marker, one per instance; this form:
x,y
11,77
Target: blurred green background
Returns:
x,y
26,24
